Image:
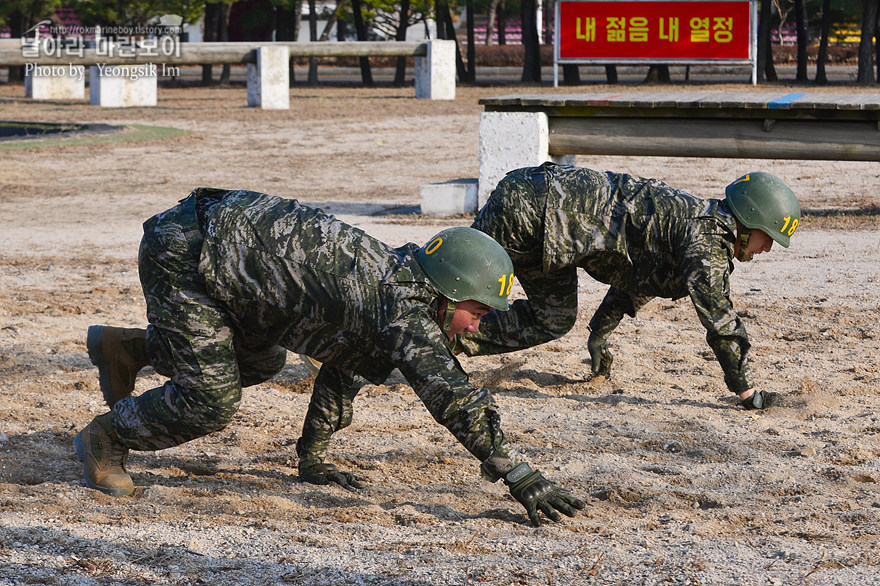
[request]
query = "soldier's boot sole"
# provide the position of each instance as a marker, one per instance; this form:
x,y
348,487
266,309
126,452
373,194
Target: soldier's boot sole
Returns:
x,y
125,487
117,368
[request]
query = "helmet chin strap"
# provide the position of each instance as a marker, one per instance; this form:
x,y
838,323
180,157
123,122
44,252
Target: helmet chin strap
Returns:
x,y
448,315
743,244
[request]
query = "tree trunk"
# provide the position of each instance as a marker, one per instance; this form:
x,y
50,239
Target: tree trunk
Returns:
x,y
441,7
20,21
658,74
331,20
866,54
450,34
611,73
490,21
342,27
822,57
400,72
283,24
800,19
766,70
224,37
446,31
502,23
212,15
297,20
571,74
287,29
313,37
361,30
471,49
532,64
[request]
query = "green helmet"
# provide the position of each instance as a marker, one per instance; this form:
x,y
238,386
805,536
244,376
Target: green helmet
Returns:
x,y
763,201
464,263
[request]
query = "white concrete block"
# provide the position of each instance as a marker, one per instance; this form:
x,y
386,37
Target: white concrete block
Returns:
x,y
435,73
123,86
268,81
450,198
55,82
511,140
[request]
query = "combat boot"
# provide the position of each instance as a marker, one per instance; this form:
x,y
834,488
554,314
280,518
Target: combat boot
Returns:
x,y
119,353
103,457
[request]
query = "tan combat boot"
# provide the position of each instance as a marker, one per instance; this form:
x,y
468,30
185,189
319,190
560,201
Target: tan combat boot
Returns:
x,y
119,353
103,458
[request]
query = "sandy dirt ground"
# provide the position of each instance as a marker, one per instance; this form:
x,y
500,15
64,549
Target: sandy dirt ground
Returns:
x,y
682,486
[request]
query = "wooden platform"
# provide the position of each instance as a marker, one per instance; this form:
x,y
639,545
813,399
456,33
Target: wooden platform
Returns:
x,y
771,125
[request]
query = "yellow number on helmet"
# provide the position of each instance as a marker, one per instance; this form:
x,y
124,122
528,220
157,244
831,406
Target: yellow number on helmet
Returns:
x,y
506,285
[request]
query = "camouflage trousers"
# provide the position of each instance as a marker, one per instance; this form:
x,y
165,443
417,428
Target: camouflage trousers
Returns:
x,y
191,339
514,216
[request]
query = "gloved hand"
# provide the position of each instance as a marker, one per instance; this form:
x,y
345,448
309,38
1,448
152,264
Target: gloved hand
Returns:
x,y
600,356
321,473
762,400
534,492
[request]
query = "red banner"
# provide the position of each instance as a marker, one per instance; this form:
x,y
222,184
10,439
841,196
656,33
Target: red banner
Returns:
x,y
687,31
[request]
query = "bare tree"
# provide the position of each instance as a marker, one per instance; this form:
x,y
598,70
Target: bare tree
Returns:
x,y
765,47
361,30
532,63
490,22
611,74
400,72
216,29
800,19
571,74
223,36
658,74
446,30
212,14
288,17
313,36
783,9
822,57
471,75
869,29
502,23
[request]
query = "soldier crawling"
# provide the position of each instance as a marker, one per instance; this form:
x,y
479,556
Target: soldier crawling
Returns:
x,y
234,279
643,238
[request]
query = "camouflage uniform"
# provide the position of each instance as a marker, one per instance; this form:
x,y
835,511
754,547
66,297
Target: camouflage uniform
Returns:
x,y
233,278
642,237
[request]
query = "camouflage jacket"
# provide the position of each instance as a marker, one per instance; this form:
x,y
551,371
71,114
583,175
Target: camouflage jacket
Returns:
x,y
647,239
306,281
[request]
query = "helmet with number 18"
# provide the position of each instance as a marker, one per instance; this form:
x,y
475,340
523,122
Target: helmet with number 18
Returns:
x,y
763,201
464,263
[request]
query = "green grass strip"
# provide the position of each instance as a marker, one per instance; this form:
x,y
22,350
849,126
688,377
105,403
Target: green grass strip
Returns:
x,y
131,133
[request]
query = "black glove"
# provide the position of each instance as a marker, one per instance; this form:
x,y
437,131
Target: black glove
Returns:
x,y
762,400
321,473
534,492
600,356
